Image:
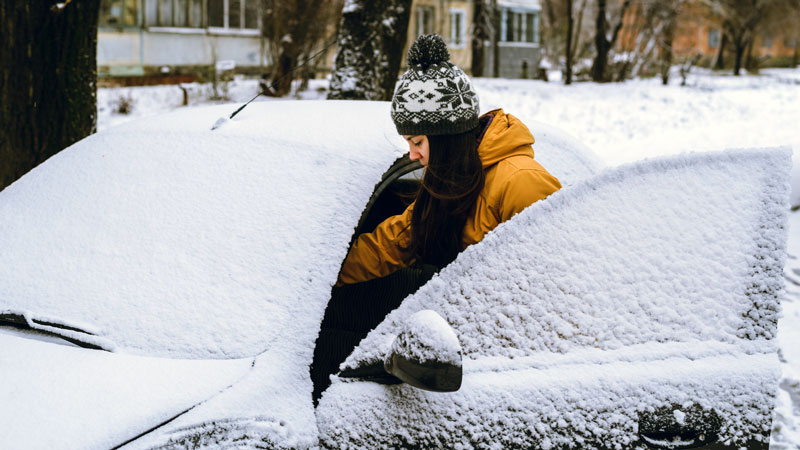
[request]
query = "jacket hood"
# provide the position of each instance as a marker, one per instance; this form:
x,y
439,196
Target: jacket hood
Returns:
x,y
506,136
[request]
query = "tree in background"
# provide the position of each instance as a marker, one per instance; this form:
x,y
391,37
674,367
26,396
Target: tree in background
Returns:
x,y
294,30
48,80
782,20
568,62
602,40
481,29
372,38
563,29
740,20
653,47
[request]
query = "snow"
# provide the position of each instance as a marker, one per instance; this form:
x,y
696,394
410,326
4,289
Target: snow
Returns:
x,y
351,6
560,278
426,336
196,251
223,250
117,396
656,231
573,406
644,272
625,122
622,122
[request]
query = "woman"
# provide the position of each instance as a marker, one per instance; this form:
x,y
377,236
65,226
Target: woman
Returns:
x,y
479,172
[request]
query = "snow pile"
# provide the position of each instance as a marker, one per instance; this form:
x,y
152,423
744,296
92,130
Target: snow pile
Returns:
x,y
426,336
685,250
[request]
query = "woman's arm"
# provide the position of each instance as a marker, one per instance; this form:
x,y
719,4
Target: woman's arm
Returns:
x,y
377,254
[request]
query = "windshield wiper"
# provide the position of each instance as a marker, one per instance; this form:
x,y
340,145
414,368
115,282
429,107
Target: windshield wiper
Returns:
x,y
52,327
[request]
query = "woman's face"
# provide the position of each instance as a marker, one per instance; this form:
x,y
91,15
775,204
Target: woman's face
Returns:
x,y
418,148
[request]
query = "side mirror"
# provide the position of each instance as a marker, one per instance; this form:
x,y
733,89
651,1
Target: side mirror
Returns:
x,y
426,354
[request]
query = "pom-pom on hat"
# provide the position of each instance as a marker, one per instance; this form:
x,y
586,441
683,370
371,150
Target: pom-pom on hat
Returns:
x,y
434,96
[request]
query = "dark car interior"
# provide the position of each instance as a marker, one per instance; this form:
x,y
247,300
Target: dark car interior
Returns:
x,y
354,310
392,195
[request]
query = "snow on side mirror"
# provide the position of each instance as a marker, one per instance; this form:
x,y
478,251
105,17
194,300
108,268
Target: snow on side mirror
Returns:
x,y
426,354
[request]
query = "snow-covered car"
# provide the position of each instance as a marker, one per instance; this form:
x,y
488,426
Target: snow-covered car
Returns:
x,y
162,285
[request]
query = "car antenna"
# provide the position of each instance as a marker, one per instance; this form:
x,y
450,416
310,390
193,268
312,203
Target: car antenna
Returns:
x,y
269,88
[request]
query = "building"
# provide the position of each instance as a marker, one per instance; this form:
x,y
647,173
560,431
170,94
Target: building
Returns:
x,y
451,19
158,41
699,35
518,46
519,49
178,39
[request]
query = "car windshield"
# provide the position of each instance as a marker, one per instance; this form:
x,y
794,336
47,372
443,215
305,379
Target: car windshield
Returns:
x,y
175,240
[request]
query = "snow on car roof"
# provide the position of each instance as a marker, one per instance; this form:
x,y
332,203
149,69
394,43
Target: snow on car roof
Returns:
x,y
175,240
561,154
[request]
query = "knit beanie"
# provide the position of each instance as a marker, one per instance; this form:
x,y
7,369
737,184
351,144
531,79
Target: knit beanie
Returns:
x,y
434,96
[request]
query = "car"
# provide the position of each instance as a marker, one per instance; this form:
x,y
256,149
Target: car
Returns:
x,y
162,285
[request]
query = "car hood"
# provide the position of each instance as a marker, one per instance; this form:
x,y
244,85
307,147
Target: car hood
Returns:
x,y
174,240
55,396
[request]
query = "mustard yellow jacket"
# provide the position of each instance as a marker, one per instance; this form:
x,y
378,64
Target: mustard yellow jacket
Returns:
x,y
513,181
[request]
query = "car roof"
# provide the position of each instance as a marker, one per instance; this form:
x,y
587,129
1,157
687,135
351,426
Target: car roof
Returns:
x,y
171,239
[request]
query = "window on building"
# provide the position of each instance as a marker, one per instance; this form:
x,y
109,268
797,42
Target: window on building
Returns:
x,y
458,19
513,26
521,26
531,27
174,13
424,20
233,14
216,13
118,12
713,38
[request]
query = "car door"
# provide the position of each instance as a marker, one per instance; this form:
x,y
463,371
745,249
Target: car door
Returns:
x,y
636,309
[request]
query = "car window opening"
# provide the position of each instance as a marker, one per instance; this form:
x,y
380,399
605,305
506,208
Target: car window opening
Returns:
x,y
351,315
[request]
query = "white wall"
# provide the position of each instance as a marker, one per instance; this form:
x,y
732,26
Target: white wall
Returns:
x,y
175,47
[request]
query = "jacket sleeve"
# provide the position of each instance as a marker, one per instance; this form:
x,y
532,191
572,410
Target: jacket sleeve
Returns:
x,y
524,188
377,254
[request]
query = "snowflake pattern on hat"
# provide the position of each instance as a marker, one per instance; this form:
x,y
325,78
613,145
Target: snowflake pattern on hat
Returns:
x,y
434,96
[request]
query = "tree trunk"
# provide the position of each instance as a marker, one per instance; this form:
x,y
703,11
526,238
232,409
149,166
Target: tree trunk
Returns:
x,y
568,65
372,38
287,62
719,64
669,38
495,40
795,56
739,47
600,43
479,38
748,60
603,44
577,30
48,80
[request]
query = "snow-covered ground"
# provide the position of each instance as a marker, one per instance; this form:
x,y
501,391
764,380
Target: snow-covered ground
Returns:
x,y
622,122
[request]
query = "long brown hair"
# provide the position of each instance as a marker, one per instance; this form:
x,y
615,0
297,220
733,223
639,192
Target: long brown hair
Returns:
x,y
449,191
